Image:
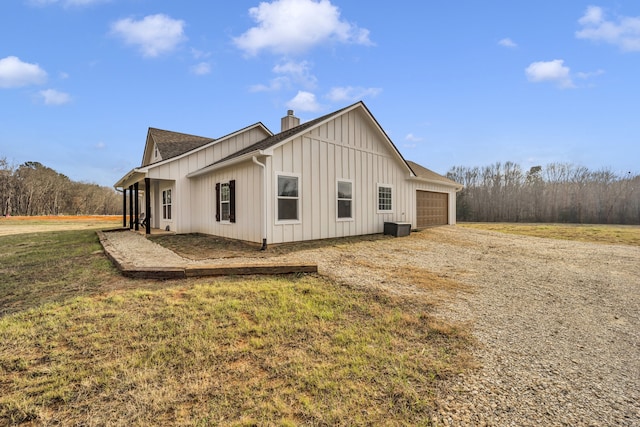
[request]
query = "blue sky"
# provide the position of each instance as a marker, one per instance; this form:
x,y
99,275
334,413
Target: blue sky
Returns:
x,y
453,83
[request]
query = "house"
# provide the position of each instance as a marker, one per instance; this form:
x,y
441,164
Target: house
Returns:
x,y
338,175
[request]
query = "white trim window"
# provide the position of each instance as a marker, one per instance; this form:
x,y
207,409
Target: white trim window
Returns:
x,y
225,202
166,204
344,205
385,198
288,197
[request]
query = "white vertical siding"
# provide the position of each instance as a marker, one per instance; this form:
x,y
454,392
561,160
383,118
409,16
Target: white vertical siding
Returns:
x,y
347,147
188,200
248,178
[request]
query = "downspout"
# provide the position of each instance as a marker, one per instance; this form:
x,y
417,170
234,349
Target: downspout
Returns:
x,y
263,202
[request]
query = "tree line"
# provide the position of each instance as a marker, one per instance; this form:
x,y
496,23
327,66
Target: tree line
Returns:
x,y
557,192
34,189
501,192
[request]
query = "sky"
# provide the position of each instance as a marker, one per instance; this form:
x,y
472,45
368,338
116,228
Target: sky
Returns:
x,y
453,83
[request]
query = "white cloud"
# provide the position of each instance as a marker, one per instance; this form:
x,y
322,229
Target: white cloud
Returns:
x,y
625,33
295,26
593,15
589,74
15,73
201,69
200,54
304,101
550,71
298,73
274,85
412,138
100,145
292,67
507,43
154,34
291,73
54,97
350,93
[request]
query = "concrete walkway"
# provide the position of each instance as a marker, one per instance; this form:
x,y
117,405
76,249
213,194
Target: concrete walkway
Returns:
x,y
136,256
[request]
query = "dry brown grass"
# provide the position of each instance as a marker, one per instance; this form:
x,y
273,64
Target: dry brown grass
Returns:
x,y
65,218
100,349
594,233
31,224
419,277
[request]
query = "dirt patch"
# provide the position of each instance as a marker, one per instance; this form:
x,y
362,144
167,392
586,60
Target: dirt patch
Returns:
x,y
201,246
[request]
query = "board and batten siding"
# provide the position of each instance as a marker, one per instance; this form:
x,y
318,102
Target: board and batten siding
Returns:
x,y
348,147
172,174
248,188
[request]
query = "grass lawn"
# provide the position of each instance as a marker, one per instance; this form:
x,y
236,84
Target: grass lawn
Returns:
x,y
594,233
29,224
79,344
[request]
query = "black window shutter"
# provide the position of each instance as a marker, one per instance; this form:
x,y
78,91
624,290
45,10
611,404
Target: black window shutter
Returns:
x,y
232,200
218,201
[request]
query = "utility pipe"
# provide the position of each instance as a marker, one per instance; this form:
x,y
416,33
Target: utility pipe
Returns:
x,y
263,202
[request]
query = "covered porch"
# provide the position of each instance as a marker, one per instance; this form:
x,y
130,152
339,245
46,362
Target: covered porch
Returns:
x,y
141,202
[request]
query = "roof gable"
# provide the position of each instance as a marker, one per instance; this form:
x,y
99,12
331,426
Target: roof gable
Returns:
x,y
276,139
171,144
288,135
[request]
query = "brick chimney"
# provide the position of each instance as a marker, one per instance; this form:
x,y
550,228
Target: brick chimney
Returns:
x,y
289,121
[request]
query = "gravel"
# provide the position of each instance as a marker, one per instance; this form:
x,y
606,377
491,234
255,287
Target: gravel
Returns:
x,y
557,323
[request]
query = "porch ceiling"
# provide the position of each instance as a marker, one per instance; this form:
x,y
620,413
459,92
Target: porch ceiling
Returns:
x,y
131,178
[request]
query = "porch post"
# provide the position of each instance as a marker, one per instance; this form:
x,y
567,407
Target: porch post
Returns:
x,y
130,206
147,204
124,207
136,221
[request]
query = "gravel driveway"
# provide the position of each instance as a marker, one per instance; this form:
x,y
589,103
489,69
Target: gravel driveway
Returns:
x,y
557,322
559,330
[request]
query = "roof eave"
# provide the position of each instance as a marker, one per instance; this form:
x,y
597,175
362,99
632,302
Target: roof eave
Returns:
x,y
455,185
359,104
209,144
231,162
130,177
396,152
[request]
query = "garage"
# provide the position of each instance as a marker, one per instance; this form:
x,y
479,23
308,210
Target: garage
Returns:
x,y
431,208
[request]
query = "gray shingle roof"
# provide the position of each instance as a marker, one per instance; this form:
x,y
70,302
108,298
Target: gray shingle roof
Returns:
x,y
422,172
279,137
171,144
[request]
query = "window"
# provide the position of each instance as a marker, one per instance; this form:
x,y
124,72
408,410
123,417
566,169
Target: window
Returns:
x,y
345,197
288,198
166,204
385,198
226,201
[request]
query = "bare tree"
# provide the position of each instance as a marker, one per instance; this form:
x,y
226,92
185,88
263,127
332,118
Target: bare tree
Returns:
x,y
34,189
558,192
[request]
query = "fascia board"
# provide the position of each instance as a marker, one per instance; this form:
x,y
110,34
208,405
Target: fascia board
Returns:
x,y
230,162
458,187
214,142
